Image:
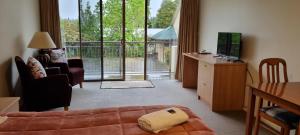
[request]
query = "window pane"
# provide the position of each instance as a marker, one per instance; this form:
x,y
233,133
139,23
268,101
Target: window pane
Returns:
x,y
90,38
135,39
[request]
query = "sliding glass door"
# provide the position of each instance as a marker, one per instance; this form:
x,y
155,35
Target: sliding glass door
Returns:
x,y
135,39
102,33
90,38
113,26
114,36
94,31
163,17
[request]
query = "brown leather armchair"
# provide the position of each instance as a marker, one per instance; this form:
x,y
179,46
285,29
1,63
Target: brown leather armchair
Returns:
x,y
74,68
42,94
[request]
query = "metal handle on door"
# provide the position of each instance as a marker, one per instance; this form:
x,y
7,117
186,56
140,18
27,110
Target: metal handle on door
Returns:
x,y
122,42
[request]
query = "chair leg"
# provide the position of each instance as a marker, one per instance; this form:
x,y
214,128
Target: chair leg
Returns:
x,y
282,131
257,124
285,130
257,120
66,108
80,84
297,131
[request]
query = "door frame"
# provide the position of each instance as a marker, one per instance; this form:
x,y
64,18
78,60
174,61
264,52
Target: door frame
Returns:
x,y
146,39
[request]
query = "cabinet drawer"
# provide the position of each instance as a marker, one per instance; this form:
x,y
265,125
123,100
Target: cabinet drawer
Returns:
x,y
205,73
205,81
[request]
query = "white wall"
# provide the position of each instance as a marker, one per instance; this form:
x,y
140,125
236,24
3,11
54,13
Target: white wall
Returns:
x,y
19,21
271,28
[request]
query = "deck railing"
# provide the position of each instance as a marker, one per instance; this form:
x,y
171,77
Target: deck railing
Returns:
x,y
158,56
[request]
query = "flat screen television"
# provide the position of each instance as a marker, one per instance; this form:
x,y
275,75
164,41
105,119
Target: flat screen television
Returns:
x,y
229,44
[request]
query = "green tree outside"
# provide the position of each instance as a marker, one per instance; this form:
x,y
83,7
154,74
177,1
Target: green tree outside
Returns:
x,y
112,22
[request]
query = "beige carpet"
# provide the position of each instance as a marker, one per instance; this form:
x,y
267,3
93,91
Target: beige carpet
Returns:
x,y
126,84
166,92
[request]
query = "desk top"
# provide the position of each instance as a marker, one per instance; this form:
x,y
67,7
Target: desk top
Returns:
x,y
286,91
209,58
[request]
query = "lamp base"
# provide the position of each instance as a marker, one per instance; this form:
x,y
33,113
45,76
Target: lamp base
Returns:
x,y
44,59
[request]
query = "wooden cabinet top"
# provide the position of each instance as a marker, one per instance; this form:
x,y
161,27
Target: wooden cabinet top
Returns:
x,y
7,102
209,58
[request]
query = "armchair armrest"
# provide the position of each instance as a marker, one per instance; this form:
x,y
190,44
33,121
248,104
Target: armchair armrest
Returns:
x,y
52,70
52,81
75,63
64,68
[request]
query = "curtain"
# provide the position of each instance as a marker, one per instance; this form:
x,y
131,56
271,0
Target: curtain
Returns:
x,y
50,21
188,32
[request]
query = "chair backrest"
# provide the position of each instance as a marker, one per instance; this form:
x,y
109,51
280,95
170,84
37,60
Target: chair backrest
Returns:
x,y
23,69
273,75
273,68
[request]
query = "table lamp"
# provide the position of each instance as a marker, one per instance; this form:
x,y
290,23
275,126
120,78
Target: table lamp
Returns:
x,y
42,40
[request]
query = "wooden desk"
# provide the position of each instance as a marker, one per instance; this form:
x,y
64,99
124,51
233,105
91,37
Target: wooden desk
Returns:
x,y
286,95
9,104
220,83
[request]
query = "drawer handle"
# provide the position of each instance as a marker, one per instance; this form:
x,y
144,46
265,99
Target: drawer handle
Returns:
x,y
204,84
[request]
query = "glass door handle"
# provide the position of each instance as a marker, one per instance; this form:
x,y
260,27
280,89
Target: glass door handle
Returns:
x,y
122,41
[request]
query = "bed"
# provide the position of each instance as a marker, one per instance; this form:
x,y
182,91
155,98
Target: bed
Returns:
x,y
105,121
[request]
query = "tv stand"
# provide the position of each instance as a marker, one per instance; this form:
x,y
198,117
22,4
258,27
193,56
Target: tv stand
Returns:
x,y
219,82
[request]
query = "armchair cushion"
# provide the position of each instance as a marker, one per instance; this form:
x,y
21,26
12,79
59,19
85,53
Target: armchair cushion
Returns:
x,y
37,70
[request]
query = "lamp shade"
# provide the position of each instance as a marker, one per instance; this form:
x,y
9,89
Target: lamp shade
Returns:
x,y
41,40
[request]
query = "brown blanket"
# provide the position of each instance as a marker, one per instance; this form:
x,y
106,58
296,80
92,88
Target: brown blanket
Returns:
x,y
107,121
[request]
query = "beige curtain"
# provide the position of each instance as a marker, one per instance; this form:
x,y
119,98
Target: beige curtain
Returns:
x,y
188,32
50,22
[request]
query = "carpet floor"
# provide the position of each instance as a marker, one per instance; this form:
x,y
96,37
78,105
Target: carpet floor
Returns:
x,y
166,92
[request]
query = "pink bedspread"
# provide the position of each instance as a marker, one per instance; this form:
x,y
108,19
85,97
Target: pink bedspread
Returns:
x,y
107,121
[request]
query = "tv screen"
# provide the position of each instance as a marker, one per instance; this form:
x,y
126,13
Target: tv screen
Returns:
x,y
235,45
229,44
222,48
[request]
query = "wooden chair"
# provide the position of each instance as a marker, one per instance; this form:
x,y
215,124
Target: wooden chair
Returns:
x,y
284,119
